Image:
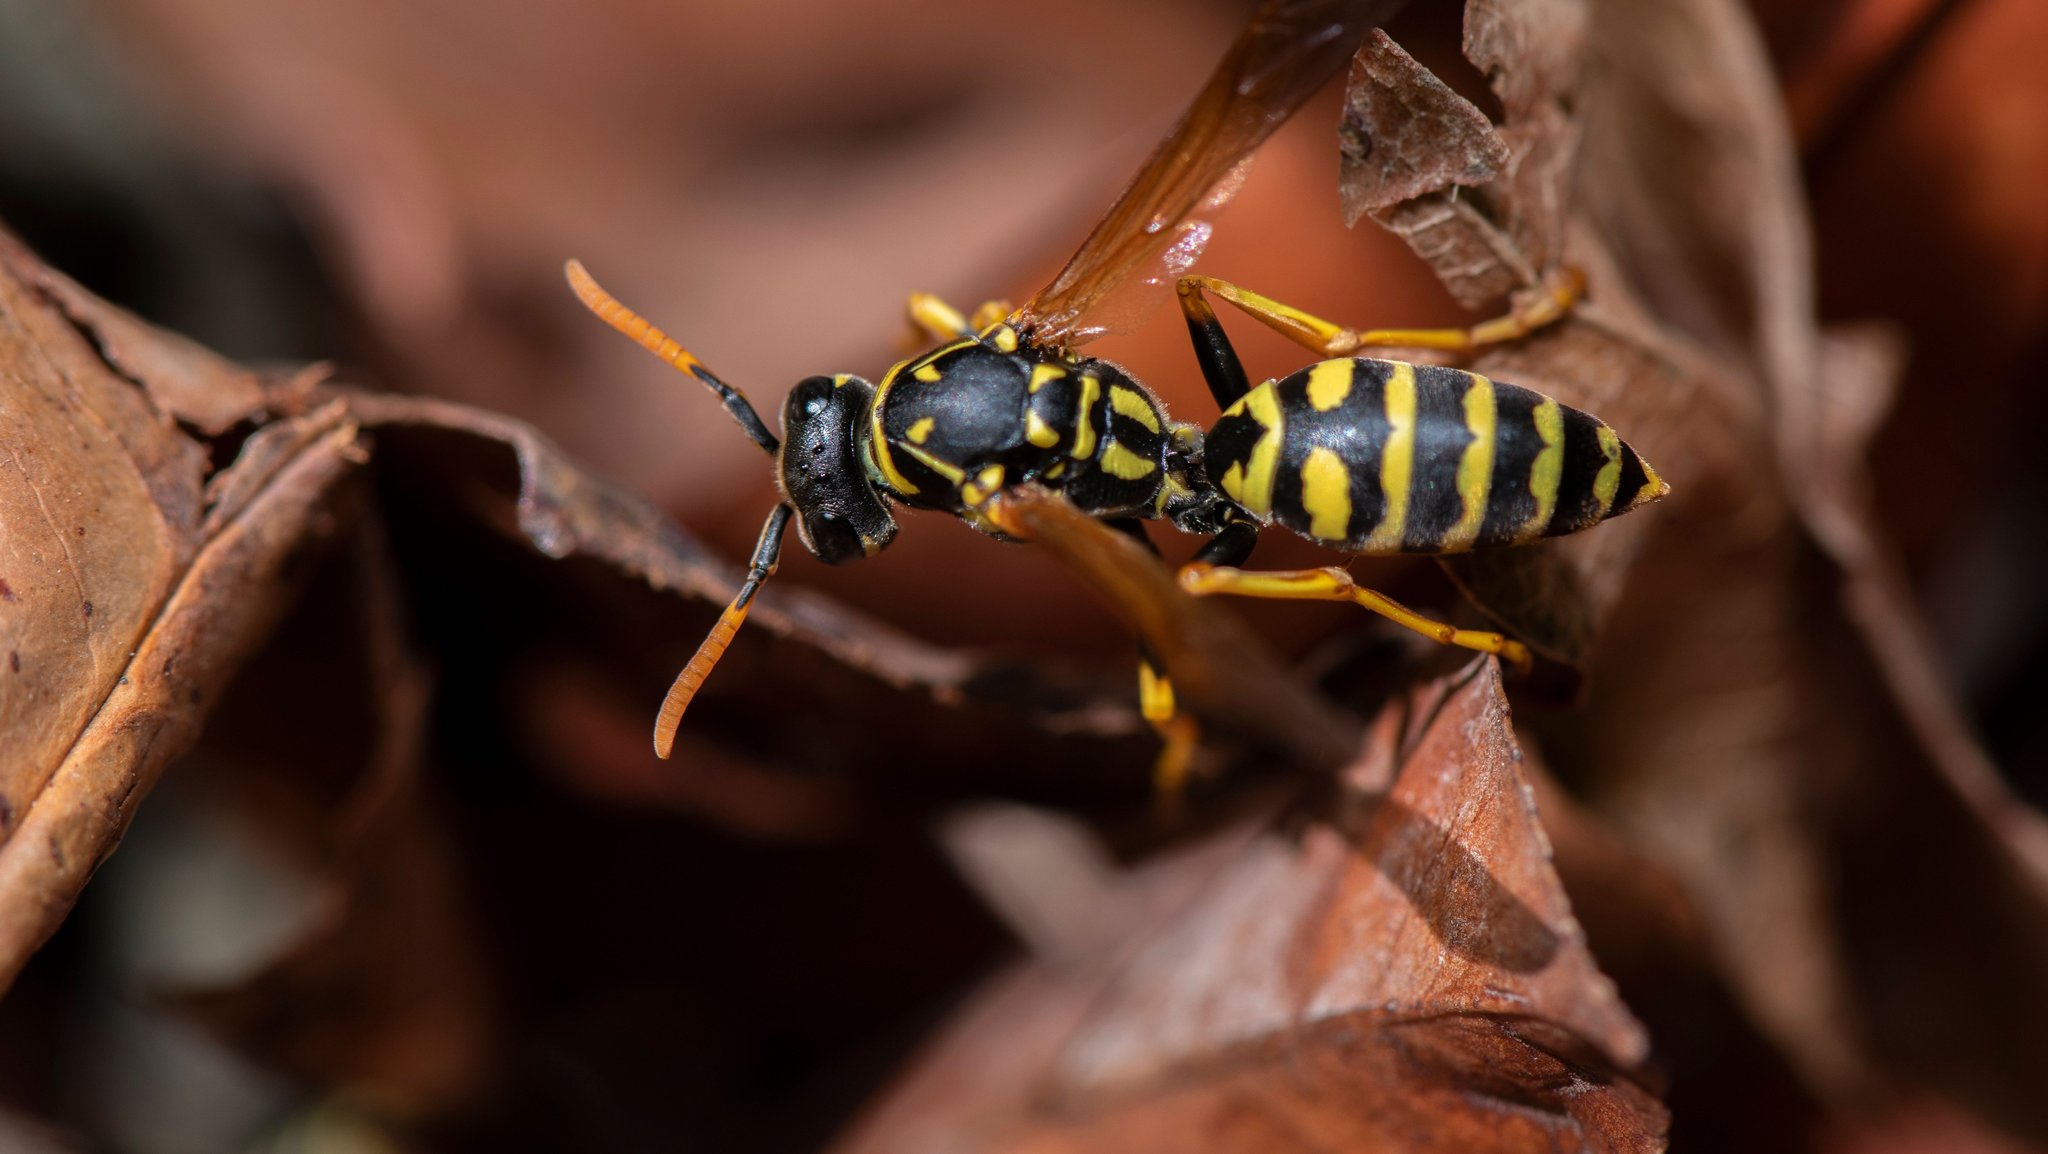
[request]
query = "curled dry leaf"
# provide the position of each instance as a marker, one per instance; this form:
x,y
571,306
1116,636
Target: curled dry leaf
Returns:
x,y
127,597
136,580
1646,148
1665,169
1396,967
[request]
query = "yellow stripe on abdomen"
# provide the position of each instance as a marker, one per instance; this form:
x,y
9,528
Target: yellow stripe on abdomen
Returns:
x,y
1475,467
1608,479
1397,460
1548,471
1326,494
1252,484
1329,382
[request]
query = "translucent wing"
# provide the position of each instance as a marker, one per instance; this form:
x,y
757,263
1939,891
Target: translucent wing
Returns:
x,y
1162,221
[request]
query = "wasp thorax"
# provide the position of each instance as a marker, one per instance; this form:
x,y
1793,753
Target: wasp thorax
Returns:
x,y
839,515
1188,498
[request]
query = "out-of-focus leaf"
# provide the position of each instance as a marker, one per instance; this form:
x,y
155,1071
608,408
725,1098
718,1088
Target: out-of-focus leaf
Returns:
x,y
1395,968
130,595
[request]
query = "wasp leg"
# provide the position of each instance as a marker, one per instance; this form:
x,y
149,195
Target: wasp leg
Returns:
x,y
989,313
946,323
1179,734
1220,366
1334,584
941,320
1561,291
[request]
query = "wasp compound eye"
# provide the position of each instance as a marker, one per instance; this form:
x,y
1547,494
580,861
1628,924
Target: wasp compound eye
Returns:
x,y
840,517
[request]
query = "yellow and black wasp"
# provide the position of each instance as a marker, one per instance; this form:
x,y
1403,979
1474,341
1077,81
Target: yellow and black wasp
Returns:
x,y
1367,456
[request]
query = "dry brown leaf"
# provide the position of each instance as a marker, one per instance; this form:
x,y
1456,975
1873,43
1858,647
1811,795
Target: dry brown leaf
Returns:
x,y
1396,969
135,581
1710,214
129,600
1647,148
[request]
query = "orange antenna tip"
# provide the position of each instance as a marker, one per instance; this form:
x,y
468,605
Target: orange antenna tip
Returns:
x,y
692,677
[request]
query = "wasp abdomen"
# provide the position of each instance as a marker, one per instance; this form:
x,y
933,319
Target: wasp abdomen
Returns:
x,y
1378,457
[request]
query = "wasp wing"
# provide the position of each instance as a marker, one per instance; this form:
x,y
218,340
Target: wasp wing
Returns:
x,y
1162,221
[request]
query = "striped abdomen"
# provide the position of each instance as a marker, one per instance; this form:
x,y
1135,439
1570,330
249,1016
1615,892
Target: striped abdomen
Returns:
x,y
1376,456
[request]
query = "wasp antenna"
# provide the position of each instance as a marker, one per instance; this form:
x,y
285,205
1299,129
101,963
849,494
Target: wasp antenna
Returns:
x,y
636,327
766,550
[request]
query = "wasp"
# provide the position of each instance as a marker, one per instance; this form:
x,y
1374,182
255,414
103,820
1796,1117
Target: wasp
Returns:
x,y
1366,456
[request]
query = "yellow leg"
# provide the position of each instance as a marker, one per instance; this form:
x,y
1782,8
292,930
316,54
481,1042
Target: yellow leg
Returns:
x,y
1335,584
1178,735
936,317
1560,292
989,313
946,323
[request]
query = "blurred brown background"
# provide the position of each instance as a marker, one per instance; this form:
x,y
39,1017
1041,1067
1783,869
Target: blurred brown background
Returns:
x,y
394,185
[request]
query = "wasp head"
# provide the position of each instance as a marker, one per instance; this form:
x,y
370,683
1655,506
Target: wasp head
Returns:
x,y
839,515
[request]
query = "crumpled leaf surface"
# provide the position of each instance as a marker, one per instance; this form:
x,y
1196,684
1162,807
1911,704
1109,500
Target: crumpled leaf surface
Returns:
x,y
1647,146
133,587
1396,966
1655,354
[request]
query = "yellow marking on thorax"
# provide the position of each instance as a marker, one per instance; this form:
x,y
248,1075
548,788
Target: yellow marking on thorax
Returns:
x,y
1252,484
928,373
878,441
922,430
1169,488
1329,383
1397,460
1475,467
1084,421
1002,336
983,486
953,474
1120,462
1548,471
1058,470
1608,479
1326,494
1040,374
1038,432
1132,404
